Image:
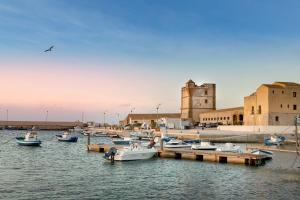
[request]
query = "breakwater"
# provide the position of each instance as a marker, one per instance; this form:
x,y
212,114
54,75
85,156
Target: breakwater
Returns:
x,y
42,125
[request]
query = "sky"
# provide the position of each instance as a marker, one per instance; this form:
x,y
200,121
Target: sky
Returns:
x,y
117,56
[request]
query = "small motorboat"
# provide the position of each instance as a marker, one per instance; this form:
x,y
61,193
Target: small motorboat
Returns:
x,y
122,141
100,134
268,154
230,147
192,141
66,137
30,139
173,143
274,140
134,152
204,146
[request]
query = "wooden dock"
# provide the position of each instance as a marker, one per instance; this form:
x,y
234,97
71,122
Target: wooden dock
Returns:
x,y
197,155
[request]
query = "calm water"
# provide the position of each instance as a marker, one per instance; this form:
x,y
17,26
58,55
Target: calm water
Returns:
x,y
67,171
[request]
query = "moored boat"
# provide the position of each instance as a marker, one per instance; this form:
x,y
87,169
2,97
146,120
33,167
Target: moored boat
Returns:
x,y
30,139
204,146
66,137
274,140
122,141
173,143
134,152
268,154
230,147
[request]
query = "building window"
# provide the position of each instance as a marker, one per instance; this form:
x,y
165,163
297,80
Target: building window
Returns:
x,y
277,119
288,106
294,94
205,101
273,91
217,118
280,105
294,107
252,110
259,109
282,92
221,118
228,118
205,92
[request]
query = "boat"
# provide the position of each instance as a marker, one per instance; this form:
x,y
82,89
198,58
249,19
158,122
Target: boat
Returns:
x,y
268,154
230,147
134,152
142,135
30,139
66,137
204,146
78,129
274,140
173,143
122,141
192,141
100,134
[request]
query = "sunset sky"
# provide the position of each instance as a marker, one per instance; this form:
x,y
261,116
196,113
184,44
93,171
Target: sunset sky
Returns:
x,y
112,56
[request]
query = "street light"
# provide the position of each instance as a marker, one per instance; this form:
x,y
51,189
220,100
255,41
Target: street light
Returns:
x,y
104,120
157,108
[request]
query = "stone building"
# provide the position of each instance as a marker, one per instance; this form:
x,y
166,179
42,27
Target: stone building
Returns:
x,y
197,99
229,116
273,104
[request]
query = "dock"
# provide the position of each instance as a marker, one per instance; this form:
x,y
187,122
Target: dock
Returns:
x,y
197,155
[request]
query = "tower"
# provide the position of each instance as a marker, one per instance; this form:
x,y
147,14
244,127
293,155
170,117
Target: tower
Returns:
x,y
196,99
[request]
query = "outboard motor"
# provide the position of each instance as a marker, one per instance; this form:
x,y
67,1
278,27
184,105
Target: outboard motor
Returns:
x,y
111,153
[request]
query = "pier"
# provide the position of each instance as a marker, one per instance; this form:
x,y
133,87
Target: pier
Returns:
x,y
197,155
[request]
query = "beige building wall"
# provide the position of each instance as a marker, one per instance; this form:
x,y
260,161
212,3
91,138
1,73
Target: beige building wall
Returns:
x,y
197,99
230,116
273,104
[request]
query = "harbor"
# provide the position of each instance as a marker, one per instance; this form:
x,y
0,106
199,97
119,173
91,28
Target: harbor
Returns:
x,y
70,165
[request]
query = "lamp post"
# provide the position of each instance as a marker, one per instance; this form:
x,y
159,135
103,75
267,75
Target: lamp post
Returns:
x,y
131,111
157,108
104,120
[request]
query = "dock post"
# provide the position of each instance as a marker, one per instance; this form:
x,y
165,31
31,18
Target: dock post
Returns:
x,y
88,140
161,144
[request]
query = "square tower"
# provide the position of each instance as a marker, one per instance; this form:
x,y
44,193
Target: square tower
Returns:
x,y
197,99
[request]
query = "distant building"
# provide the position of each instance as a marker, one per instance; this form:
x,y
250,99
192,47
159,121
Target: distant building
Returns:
x,y
148,118
273,104
197,99
229,116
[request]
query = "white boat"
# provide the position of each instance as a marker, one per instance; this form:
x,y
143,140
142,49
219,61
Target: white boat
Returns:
x,y
173,143
204,146
78,129
229,147
268,154
134,152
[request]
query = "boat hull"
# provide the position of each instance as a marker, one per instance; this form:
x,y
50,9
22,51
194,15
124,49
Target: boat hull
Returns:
x,y
134,155
70,139
22,142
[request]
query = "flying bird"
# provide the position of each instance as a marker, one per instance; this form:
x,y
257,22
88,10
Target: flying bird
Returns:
x,y
50,49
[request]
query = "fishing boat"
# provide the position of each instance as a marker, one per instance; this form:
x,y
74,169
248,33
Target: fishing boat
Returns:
x,y
230,147
173,143
100,134
204,146
268,154
30,139
274,140
134,152
66,137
